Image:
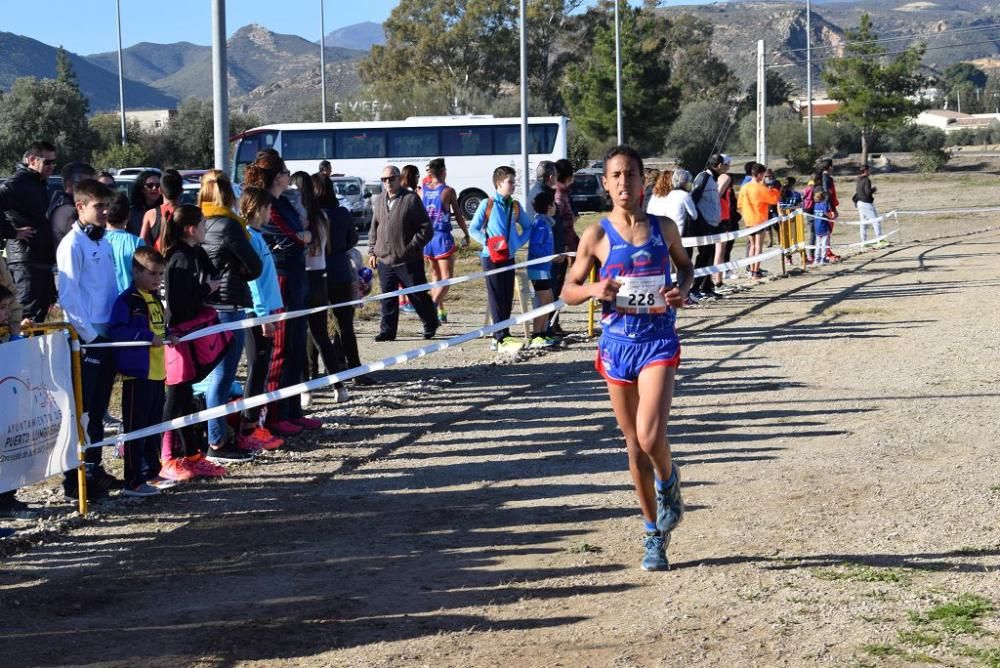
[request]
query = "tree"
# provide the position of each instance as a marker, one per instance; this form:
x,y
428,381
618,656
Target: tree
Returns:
x,y
649,97
187,141
697,133
64,69
44,109
958,74
699,73
876,92
778,90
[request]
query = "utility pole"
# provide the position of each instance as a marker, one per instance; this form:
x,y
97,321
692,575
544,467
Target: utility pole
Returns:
x,y
809,75
121,70
761,106
525,183
220,86
618,74
322,60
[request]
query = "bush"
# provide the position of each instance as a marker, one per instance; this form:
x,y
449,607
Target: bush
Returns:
x,y
962,138
577,149
929,160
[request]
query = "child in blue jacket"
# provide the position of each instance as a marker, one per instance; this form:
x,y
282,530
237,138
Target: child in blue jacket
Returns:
x,y
502,227
138,315
541,245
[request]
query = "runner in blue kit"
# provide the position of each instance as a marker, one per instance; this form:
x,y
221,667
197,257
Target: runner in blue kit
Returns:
x,y
639,351
441,203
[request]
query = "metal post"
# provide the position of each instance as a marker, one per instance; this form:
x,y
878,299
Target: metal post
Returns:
x,y
618,74
121,70
220,86
322,60
525,177
761,106
809,74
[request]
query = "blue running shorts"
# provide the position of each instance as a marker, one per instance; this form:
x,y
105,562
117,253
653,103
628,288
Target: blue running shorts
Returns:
x,y
441,245
620,362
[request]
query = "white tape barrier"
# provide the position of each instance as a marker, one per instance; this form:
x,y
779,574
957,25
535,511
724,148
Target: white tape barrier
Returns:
x,y
247,323
690,242
932,212
857,244
870,221
326,381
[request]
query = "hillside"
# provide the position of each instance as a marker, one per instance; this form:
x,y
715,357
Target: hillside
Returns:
x,y
781,24
360,36
26,57
148,62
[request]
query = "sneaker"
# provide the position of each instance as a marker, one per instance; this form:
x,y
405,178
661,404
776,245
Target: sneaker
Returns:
x,y
202,468
690,302
105,479
429,333
712,294
248,443
228,453
311,424
542,341
17,509
557,330
178,470
669,504
306,399
724,289
267,440
383,337
494,344
284,428
365,380
656,553
112,425
442,315
881,244
162,483
71,491
407,308
510,346
342,395
142,489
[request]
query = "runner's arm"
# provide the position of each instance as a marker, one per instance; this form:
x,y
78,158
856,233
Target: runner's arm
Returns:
x,y
576,290
451,199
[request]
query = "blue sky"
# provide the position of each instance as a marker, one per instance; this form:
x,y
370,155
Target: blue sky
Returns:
x,y
88,26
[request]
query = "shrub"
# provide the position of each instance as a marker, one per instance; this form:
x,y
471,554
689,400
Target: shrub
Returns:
x,y
929,160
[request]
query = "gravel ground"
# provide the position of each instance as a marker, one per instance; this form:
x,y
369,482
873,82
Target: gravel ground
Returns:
x,y
836,431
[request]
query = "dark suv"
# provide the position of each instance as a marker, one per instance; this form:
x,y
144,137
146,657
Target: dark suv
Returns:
x,y
587,193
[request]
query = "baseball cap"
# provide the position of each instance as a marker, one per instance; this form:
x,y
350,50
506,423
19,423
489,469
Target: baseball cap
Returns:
x,y
726,159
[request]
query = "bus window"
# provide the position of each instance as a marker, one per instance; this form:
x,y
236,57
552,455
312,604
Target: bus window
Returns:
x,y
507,139
306,144
466,141
410,142
360,144
248,148
542,138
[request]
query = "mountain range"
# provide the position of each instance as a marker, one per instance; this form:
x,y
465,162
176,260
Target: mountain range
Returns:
x,y
276,76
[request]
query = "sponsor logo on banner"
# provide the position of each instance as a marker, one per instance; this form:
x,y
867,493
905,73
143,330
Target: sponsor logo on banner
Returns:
x,y
37,424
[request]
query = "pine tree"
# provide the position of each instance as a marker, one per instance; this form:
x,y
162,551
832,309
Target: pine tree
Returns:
x,y
876,92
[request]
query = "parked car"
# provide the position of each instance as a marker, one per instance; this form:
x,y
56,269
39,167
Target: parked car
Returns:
x,y
130,173
353,197
587,192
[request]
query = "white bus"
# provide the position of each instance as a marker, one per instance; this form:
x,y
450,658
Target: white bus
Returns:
x,y
472,146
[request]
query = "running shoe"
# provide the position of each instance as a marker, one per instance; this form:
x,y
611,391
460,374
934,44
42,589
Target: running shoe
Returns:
x,y
263,436
542,341
510,346
161,483
306,399
248,443
311,424
202,468
881,244
407,308
17,509
442,315
669,504
178,470
228,453
365,380
342,395
285,428
105,479
140,490
656,553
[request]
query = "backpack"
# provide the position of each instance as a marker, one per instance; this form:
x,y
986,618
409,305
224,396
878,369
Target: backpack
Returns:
x,y
498,245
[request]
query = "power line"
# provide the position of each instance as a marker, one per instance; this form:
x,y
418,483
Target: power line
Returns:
x,y
893,39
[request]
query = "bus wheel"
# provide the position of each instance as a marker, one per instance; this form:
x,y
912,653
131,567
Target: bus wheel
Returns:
x,y
469,202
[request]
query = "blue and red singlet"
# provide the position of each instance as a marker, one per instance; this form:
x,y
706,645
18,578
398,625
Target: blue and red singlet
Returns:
x,y
442,244
637,328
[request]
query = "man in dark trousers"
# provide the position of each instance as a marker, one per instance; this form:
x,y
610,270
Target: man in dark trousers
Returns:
x,y
400,230
31,251
864,200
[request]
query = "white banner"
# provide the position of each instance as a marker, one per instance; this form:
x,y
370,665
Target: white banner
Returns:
x,y
38,436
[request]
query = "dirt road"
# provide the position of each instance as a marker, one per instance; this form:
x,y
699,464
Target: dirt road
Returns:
x,y
837,433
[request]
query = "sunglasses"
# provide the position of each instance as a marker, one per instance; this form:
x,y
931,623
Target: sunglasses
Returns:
x,y
151,186
387,179
49,163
